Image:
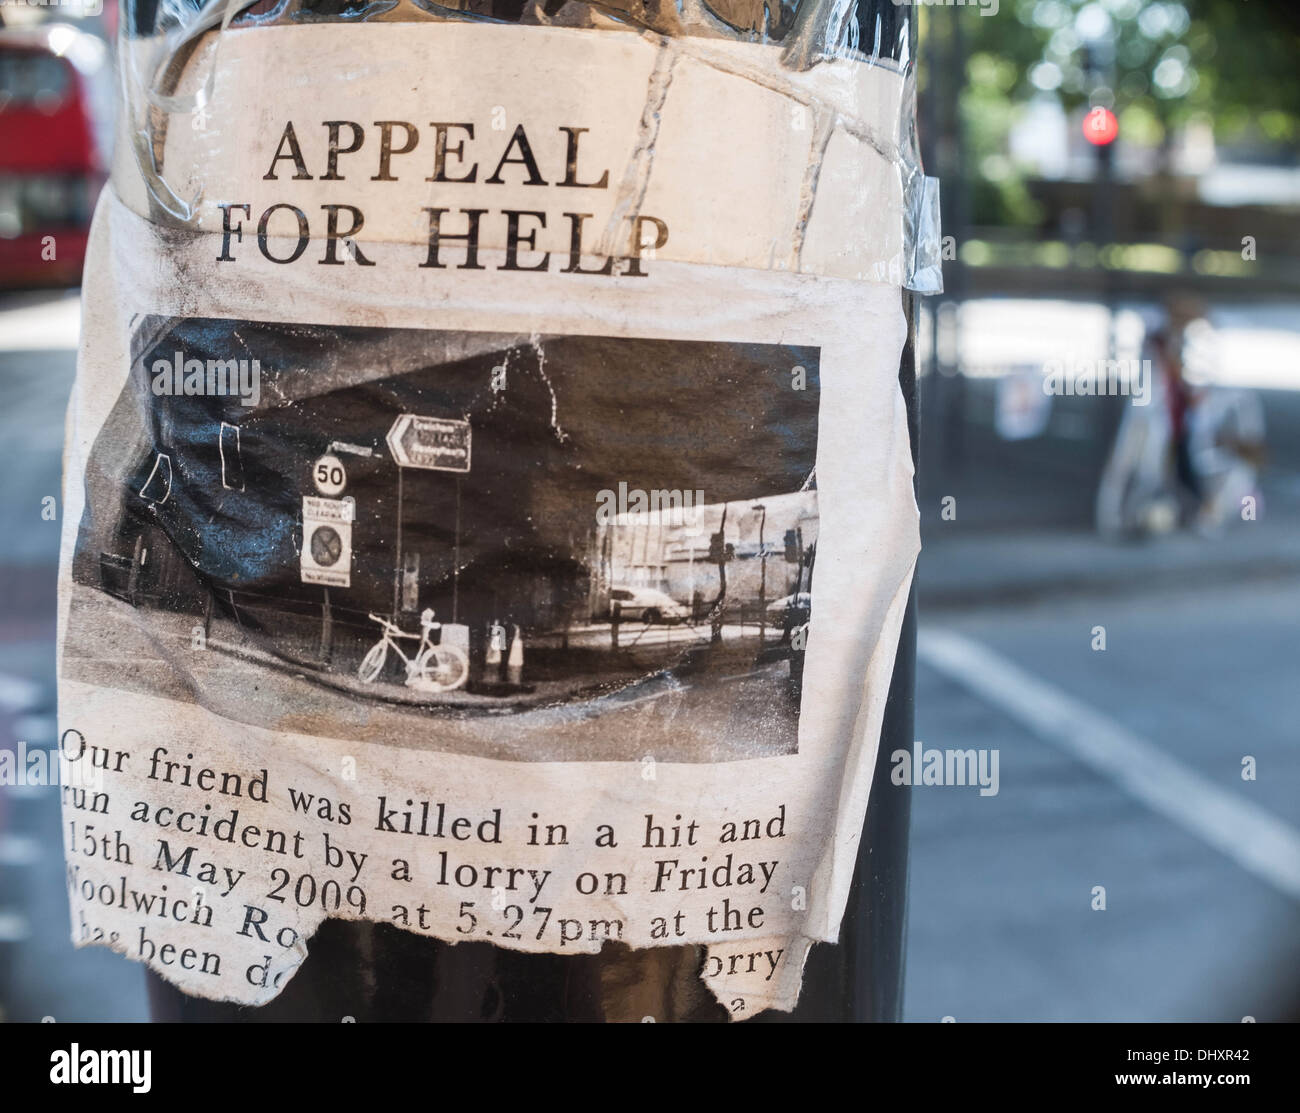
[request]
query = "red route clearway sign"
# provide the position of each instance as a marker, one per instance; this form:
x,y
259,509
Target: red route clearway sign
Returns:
x,y
435,443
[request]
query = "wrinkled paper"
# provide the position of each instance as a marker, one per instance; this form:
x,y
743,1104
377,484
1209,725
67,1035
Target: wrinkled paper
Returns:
x,y
541,587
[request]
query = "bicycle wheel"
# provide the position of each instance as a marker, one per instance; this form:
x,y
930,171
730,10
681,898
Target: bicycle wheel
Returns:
x,y
445,667
372,664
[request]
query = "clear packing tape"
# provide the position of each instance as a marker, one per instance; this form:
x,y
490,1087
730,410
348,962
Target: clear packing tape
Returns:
x,y
828,117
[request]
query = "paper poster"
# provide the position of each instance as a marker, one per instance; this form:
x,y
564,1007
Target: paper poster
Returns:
x,y
497,527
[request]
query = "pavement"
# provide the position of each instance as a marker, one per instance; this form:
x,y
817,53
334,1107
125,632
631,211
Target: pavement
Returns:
x,y
979,569
727,707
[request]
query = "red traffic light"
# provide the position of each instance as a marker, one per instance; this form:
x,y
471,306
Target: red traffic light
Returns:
x,y
1100,126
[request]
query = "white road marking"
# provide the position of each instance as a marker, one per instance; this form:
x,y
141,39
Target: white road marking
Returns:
x,y
14,927
42,322
615,702
19,850
1256,840
18,693
680,689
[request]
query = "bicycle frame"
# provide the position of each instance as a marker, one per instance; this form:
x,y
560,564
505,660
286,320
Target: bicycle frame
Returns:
x,y
392,632
446,659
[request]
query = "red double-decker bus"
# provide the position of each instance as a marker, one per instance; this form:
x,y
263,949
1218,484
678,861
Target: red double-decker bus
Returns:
x,y
53,145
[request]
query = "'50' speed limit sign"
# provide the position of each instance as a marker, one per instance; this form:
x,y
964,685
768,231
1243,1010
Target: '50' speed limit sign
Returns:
x,y
329,476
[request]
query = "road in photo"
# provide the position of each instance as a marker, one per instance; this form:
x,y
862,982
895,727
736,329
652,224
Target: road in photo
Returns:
x,y
724,709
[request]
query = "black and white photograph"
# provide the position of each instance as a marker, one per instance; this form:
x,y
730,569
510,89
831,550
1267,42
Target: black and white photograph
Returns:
x,y
609,541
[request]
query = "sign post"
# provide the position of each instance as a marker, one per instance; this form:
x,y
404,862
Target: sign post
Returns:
x,y
430,444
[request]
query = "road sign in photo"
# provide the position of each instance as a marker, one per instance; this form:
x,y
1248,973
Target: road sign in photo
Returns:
x,y
327,541
435,443
329,476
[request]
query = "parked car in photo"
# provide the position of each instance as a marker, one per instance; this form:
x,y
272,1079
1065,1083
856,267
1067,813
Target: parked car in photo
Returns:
x,y
645,604
799,601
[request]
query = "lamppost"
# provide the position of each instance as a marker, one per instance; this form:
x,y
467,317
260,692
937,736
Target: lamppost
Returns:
x,y
762,574
692,533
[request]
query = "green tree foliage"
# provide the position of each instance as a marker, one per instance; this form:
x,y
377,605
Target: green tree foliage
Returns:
x,y
1157,63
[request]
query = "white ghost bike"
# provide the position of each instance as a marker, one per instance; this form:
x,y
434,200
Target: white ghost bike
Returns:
x,y
437,668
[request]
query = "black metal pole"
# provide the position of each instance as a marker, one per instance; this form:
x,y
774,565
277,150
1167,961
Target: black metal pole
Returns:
x,y
397,561
455,569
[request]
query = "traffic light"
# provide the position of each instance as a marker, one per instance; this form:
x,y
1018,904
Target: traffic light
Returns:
x,y
1100,127
720,552
792,546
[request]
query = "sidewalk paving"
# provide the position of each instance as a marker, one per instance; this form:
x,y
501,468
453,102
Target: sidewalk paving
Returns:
x,y
976,569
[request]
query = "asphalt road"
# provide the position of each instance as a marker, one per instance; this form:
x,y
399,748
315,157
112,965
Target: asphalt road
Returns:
x,y
709,714
1002,924
42,975
1201,913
